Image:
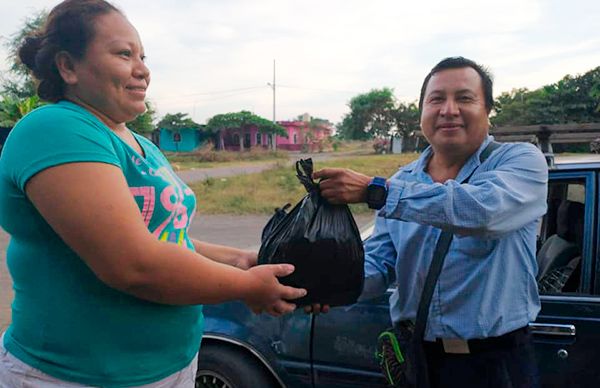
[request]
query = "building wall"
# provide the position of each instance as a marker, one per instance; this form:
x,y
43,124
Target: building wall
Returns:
x,y
184,140
296,140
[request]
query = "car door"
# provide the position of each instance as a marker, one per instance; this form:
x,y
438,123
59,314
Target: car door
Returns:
x,y
567,330
344,343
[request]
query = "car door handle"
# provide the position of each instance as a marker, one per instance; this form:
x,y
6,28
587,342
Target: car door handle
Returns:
x,y
552,329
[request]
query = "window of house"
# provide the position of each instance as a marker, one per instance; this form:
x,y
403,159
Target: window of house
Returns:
x,y
258,138
295,138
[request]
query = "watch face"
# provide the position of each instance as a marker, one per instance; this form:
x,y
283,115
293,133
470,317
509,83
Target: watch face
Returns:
x,y
377,194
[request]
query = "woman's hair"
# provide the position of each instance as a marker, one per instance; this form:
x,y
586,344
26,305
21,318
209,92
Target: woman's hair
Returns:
x,y
70,28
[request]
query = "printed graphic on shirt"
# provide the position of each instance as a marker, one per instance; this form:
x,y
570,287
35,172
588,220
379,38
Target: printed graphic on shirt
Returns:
x,y
167,205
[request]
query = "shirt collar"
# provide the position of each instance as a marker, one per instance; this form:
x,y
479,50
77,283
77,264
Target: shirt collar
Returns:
x,y
470,165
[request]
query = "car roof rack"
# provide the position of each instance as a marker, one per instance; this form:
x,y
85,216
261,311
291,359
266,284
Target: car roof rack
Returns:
x,y
544,135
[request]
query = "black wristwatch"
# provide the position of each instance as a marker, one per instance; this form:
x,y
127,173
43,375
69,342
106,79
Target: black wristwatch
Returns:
x,y
376,193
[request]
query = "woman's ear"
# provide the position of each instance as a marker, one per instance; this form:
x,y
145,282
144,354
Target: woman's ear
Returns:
x,y
66,67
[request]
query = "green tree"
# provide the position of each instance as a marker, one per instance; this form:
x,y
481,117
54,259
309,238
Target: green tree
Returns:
x,y
144,123
12,109
243,121
17,87
407,118
177,121
572,99
17,81
371,115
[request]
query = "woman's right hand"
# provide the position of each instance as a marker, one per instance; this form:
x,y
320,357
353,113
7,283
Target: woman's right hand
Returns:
x,y
269,295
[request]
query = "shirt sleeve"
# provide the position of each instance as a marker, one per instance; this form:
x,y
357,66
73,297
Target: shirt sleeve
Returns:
x,y
380,261
54,135
504,196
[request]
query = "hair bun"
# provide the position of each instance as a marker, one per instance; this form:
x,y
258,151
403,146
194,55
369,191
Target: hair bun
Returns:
x,y
28,51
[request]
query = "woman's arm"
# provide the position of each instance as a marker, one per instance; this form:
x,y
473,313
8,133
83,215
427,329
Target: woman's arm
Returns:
x,y
91,208
227,255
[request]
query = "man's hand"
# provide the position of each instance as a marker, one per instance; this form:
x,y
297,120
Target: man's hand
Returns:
x,y
341,185
317,308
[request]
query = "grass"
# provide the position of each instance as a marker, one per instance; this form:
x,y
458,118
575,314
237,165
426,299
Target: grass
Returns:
x,y
261,193
206,157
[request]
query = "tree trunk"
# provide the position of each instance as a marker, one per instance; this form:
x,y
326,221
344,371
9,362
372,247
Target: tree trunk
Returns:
x,y
221,145
241,140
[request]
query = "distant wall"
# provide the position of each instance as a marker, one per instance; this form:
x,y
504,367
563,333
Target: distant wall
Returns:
x,y
184,140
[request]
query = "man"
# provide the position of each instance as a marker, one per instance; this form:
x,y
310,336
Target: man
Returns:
x,y
486,293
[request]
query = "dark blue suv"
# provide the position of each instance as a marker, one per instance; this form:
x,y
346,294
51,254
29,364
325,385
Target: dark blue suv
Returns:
x,y
337,349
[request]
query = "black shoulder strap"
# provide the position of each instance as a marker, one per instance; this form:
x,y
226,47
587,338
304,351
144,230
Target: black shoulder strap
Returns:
x,y
493,146
441,248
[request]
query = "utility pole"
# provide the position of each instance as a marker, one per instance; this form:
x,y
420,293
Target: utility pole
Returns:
x,y
273,136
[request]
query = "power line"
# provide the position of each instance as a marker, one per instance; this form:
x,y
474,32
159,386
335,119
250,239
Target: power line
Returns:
x,y
232,92
213,93
207,98
317,89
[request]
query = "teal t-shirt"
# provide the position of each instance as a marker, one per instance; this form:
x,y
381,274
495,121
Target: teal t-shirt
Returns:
x,y
65,321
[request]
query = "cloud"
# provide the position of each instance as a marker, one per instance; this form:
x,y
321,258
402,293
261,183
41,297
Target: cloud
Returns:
x,y
210,57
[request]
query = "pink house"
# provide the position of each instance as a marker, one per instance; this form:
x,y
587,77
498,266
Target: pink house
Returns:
x,y
301,136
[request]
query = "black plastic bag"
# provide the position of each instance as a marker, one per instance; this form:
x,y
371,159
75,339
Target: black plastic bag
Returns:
x,y
321,240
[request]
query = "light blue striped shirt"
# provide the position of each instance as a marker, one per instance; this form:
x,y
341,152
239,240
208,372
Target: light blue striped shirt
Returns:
x,y
487,286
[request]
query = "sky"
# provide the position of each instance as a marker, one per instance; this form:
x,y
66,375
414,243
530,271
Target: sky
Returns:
x,y
216,56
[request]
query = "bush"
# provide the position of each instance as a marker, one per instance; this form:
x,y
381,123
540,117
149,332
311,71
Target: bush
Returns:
x,y
336,145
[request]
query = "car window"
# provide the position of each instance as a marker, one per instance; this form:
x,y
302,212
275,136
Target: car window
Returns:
x,y
561,254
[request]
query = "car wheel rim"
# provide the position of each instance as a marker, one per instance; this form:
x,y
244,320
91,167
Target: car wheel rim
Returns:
x,y
211,379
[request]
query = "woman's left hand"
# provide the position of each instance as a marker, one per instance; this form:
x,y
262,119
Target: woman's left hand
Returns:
x,y
246,259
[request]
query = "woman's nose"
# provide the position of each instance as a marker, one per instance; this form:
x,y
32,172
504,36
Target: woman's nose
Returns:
x,y
141,70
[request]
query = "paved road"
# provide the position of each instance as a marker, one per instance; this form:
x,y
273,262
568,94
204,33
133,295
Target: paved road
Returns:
x,y
200,174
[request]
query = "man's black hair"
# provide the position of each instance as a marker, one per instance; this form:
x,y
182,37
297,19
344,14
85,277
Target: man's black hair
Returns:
x,y
458,63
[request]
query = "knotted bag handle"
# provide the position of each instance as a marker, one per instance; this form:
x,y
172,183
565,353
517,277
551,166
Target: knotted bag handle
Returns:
x,y
304,171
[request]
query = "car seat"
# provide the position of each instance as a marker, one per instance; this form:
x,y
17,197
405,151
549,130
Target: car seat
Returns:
x,y
561,248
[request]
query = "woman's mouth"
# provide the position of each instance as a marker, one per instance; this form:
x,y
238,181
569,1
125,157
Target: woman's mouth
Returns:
x,y
137,90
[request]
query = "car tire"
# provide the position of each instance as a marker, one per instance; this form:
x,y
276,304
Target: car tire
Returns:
x,y
223,366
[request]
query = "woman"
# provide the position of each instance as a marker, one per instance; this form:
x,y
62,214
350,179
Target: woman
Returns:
x,y
108,285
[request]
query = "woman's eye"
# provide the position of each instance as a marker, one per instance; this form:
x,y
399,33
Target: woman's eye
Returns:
x,y
125,53
143,58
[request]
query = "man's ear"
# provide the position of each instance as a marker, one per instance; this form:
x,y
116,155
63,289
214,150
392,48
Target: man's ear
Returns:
x,y
66,67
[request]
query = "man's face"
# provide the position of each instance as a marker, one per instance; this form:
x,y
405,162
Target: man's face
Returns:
x,y
454,118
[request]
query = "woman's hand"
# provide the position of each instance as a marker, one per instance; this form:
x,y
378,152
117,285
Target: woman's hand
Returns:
x,y
270,296
235,257
246,259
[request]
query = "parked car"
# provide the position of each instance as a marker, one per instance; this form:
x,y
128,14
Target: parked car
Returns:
x,y
337,349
